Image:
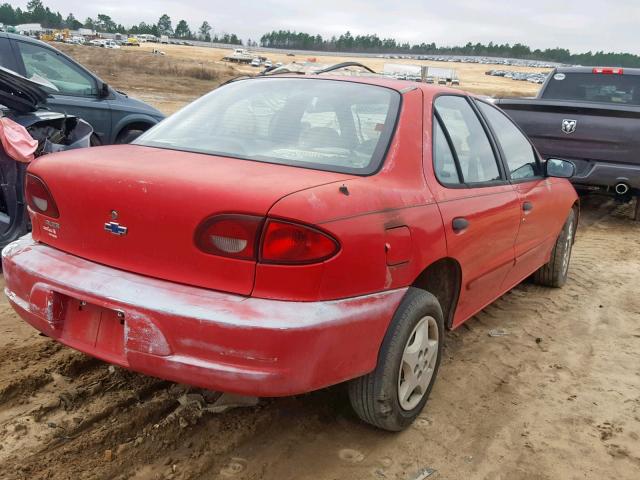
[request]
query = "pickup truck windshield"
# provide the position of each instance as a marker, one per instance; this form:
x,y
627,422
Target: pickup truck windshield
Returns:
x,y
594,87
322,124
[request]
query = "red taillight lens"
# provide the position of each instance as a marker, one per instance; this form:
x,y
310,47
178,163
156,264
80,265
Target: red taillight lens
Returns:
x,y
39,198
233,236
609,71
284,242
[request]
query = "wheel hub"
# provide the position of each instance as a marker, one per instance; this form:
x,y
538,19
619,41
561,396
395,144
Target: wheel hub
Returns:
x,y
418,363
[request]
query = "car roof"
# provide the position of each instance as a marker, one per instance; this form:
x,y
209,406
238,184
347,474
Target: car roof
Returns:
x,y
401,86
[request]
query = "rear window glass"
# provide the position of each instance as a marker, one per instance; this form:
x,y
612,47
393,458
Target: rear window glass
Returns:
x,y
594,87
322,124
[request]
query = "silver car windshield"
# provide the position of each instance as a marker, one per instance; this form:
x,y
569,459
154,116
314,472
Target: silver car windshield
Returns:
x,y
314,123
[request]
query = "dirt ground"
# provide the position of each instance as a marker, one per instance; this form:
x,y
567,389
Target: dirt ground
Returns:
x,y
132,70
557,397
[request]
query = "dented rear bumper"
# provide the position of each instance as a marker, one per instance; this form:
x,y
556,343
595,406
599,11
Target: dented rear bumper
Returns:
x,y
192,335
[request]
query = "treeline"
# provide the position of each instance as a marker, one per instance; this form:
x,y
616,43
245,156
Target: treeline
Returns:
x,y
373,44
37,12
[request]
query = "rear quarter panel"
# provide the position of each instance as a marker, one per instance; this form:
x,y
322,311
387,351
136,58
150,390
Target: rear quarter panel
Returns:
x,y
396,196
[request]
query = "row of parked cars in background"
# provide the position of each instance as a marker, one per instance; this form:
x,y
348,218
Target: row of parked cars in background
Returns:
x,y
132,41
475,59
533,77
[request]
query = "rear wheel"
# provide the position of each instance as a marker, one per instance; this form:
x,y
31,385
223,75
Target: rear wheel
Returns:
x,y
554,273
128,136
394,394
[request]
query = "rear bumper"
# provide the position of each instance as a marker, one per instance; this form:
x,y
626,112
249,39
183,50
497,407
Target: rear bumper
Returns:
x,y
191,335
606,174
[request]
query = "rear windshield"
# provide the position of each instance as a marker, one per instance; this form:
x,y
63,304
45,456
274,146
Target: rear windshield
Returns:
x,y
322,124
594,87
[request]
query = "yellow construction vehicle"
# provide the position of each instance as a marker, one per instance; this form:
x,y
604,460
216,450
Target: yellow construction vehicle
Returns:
x,y
55,35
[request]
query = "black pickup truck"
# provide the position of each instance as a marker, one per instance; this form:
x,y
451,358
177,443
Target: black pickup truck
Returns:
x,y
590,116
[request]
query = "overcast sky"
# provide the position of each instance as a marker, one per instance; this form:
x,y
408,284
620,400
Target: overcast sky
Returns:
x,y
579,25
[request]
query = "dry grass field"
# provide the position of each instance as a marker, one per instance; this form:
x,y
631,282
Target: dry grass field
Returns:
x,y
184,73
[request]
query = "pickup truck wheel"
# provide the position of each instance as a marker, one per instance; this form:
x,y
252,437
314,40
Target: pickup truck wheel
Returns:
x,y
128,136
554,273
394,394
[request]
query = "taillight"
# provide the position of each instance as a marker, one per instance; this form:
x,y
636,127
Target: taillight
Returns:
x,y
233,236
609,71
239,236
39,198
291,243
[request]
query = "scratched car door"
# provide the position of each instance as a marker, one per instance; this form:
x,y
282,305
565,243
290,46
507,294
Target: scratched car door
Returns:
x,y
479,207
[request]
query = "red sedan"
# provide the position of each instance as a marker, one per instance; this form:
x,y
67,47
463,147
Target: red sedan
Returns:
x,y
283,234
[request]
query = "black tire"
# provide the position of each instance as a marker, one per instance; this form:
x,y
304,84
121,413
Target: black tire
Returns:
x,y
375,396
95,141
128,136
554,273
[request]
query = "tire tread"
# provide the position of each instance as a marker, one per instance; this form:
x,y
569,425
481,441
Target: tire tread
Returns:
x,y
551,274
366,392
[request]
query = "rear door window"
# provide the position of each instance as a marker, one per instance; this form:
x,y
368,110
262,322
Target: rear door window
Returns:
x,y
46,66
469,140
443,160
521,159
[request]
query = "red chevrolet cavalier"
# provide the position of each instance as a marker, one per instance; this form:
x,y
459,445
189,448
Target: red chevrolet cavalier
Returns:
x,y
283,234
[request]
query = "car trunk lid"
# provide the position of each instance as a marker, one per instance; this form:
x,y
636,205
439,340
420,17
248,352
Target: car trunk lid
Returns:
x,y
160,197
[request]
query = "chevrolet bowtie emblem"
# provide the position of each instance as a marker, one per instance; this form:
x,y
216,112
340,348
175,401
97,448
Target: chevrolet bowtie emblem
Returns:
x,y
115,228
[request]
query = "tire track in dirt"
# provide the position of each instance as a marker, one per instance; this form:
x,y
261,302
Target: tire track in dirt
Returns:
x,y
553,398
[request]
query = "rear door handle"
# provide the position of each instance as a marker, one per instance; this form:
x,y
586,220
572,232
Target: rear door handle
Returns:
x,y
527,206
459,224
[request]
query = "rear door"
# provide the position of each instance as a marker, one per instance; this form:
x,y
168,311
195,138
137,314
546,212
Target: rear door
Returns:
x,y
538,208
76,91
479,207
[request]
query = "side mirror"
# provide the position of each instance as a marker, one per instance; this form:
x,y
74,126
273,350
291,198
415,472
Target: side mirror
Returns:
x,y
560,168
104,90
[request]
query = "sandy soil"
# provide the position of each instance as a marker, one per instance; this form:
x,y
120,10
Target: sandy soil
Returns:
x,y
558,397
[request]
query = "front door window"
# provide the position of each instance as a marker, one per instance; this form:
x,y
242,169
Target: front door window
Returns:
x,y
47,66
